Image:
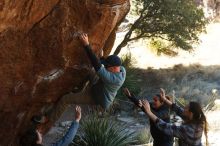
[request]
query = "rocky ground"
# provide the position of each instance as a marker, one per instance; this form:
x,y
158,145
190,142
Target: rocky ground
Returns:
x,y
136,121
199,81
59,127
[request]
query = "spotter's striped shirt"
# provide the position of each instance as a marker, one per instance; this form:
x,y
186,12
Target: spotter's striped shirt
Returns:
x,y
188,134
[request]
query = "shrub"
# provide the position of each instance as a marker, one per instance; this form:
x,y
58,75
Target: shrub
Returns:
x,y
132,81
143,137
104,132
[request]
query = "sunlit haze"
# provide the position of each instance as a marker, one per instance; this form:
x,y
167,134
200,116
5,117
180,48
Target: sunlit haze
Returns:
x,y
207,53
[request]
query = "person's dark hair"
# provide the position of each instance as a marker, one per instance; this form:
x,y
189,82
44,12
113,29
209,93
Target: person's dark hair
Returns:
x,y
199,117
29,138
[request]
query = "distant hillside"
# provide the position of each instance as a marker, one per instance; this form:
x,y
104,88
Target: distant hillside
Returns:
x,y
191,83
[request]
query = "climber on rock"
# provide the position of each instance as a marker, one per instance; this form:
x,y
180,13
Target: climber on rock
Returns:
x,y
111,76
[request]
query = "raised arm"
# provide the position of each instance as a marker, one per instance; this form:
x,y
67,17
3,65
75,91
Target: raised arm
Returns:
x,y
163,97
131,96
68,137
134,99
94,60
173,106
169,129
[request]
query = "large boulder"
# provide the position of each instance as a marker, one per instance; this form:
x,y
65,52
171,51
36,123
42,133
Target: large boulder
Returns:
x,y
41,56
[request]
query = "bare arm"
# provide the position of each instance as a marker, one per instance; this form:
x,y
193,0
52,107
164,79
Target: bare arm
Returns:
x,y
163,96
146,107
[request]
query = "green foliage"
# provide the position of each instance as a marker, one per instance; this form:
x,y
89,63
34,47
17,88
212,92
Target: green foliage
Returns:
x,y
177,21
162,47
104,132
143,137
128,61
181,101
131,81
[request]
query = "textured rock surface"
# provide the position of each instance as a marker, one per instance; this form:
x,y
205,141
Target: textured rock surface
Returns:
x,y
40,57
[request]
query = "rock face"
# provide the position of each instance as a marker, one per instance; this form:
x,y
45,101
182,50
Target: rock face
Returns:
x,y
41,57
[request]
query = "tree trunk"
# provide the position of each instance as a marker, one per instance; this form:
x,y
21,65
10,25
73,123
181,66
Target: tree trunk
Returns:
x,y
120,46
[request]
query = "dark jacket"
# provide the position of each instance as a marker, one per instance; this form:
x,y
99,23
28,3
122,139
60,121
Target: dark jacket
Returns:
x,y
160,138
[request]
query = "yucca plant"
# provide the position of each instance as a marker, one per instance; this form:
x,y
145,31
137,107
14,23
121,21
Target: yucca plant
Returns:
x,y
143,137
132,81
104,132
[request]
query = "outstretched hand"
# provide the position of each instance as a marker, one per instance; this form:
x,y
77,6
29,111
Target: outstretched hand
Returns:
x,y
39,136
146,106
78,113
163,97
140,104
127,92
147,110
162,94
84,39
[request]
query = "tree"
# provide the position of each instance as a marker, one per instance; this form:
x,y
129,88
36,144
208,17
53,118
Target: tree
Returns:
x,y
177,21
